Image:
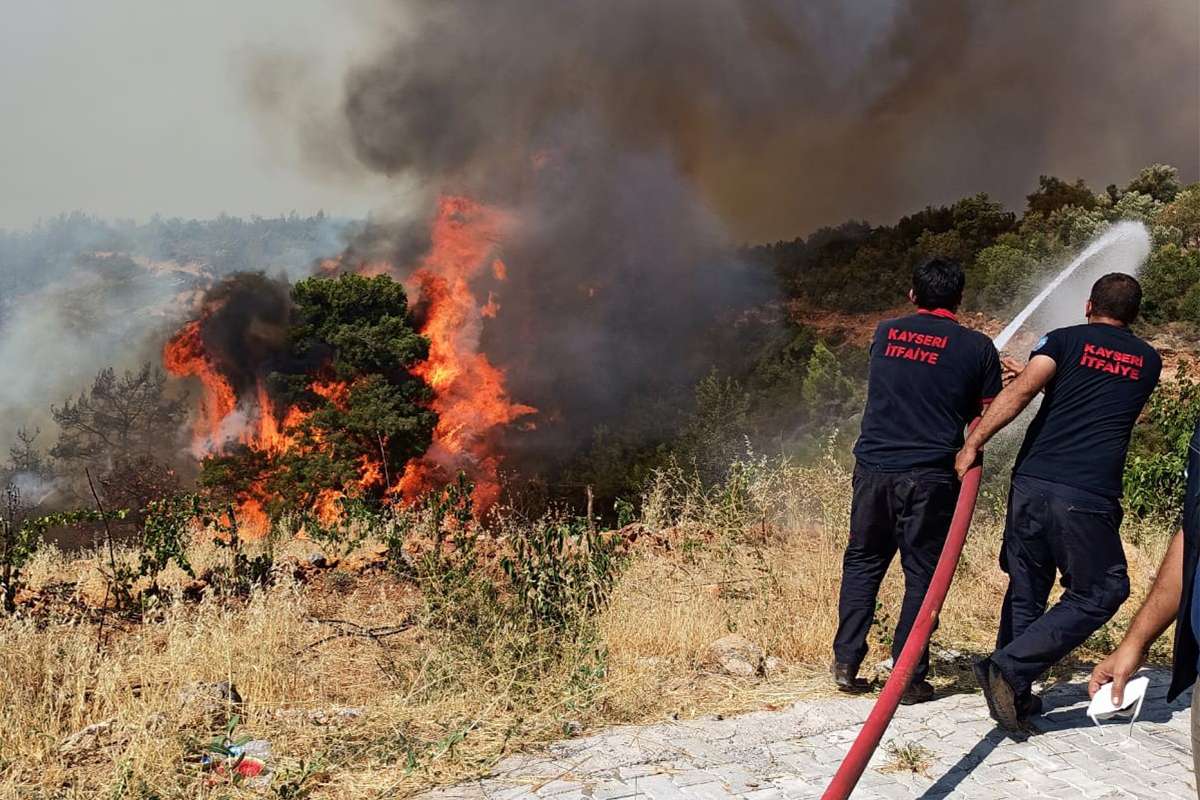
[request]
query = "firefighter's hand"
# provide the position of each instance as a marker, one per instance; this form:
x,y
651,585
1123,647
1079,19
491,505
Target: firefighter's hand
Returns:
x,y
965,459
1010,368
1117,669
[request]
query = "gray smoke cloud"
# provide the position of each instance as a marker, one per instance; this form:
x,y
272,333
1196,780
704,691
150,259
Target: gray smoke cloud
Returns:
x,y
55,337
786,116
638,140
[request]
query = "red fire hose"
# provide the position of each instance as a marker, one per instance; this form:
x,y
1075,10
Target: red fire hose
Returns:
x,y
852,767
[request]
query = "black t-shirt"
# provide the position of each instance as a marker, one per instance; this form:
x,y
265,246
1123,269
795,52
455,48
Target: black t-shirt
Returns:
x,y
1187,651
928,378
1080,435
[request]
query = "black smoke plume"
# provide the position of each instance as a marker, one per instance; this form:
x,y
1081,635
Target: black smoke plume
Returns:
x,y
785,116
244,327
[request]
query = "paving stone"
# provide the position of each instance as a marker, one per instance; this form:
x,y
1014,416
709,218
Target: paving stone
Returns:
x,y
557,787
609,790
792,754
657,787
769,793
709,791
739,779
687,776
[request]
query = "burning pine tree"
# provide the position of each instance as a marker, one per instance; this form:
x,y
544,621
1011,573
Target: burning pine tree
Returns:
x,y
335,410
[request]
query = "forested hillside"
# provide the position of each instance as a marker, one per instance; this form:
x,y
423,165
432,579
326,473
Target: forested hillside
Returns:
x,y
857,267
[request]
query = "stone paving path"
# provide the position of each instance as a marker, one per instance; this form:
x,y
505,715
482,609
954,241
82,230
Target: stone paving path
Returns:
x,y
791,754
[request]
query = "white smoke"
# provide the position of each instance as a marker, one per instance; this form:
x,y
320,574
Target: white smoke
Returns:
x,y
57,337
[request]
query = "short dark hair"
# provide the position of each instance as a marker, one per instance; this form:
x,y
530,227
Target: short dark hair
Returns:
x,y
938,283
1118,296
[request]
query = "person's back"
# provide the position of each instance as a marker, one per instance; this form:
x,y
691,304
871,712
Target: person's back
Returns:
x,y
928,377
1080,436
1064,510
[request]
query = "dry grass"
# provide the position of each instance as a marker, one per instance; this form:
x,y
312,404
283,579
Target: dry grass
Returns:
x,y
907,757
445,698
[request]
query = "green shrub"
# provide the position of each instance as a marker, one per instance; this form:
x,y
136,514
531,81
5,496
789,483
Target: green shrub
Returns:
x,y
1155,474
561,570
1159,181
166,525
827,392
1183,215
18,542
1003,276
1171,274
716,430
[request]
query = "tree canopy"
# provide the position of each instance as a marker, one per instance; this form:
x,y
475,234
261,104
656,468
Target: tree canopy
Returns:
x,y
364,414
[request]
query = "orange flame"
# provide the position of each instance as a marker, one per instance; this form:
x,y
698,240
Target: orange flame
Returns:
x,y
470,395
184,355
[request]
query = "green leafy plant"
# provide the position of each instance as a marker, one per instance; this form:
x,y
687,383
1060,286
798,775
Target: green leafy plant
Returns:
x,y
450,523
18,542
166,524
625,511
1155,473
244,571
456,593
560,570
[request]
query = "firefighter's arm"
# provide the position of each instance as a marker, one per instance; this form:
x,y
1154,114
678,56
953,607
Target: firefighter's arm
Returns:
x,y
1004,409
1155,616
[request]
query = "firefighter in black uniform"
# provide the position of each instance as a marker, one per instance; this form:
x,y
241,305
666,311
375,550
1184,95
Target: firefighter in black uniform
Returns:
x,y
1064,507
929,376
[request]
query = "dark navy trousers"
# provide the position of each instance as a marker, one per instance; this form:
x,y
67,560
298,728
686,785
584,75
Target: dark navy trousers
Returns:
x,y
1053,528
908,511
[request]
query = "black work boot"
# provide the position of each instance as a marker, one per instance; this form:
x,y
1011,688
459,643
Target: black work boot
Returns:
x,y
1001,699
1029,706
917,692
980,668
845,677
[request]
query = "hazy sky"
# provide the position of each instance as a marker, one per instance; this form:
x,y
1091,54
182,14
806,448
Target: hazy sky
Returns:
x,y
126,108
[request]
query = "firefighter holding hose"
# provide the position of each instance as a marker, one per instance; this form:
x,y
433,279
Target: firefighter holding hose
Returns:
x,y
929,376
1064,510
